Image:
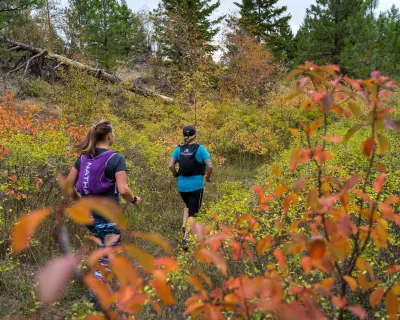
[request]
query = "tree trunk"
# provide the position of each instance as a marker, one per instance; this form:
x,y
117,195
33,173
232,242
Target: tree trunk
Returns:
x,y
97,73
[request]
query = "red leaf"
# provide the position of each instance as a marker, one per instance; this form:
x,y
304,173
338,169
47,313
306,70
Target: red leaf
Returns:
x,y
392,124
339,302
368,146
358,311
317,248
144,258
54,276
302,82
327,102
320,155
354,83
213,312
26,227
380,181
280,258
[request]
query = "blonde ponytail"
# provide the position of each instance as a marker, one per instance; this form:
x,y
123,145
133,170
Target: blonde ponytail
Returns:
x,y
97,132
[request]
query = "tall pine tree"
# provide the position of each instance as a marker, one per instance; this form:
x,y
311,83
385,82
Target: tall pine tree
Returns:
x,y
268,23
327,25
107,31
184,31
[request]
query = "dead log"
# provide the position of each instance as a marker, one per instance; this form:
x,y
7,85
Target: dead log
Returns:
x,y
97,73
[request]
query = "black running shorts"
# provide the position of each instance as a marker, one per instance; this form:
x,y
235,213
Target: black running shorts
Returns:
x,y
193,201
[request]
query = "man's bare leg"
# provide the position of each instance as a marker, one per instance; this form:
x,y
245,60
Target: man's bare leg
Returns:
x,y
185,217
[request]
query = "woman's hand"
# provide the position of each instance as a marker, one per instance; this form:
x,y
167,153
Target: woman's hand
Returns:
x,y
137,202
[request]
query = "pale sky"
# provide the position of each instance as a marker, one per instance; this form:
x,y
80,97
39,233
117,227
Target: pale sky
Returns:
x,y
297,8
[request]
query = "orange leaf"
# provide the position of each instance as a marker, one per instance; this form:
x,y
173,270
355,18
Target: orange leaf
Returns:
x,y
154,238
263,244
275,170
376,296
380,181
144,258
333,139
26,227
280,258
55,275
124,270
339,302
280,190
358,311
294,132
368,146
364,284
168,263
104,207
100,289
206,278
215,257
193,307
392,303
316,248
196,283
351,282
306,263
164,291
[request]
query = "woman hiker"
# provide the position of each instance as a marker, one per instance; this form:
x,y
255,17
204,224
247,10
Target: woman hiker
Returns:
x,y
194,162
99,171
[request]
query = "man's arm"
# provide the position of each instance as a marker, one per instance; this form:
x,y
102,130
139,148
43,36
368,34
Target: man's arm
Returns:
x,y
209,169
172,168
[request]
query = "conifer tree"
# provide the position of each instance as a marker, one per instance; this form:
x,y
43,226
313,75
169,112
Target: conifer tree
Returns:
x,y
268,22
184,29
327,25
106,30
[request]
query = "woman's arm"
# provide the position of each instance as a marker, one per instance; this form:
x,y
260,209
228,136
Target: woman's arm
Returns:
x,y
71,182
123,188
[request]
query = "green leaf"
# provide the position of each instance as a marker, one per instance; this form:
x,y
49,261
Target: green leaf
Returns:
x,y
383,143
352,131
355,109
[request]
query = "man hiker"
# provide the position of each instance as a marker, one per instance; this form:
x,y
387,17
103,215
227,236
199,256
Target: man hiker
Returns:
x,y
194,162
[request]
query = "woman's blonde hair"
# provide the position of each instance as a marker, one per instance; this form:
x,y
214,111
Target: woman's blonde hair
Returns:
x,y
98,132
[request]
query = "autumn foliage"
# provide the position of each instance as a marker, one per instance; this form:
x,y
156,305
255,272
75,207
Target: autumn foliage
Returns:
x,y
339,219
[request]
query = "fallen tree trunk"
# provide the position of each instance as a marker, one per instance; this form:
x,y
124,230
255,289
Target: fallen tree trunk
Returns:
x,y
98,73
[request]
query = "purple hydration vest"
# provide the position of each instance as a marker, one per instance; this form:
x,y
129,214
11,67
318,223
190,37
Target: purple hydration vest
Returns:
x,y
92,179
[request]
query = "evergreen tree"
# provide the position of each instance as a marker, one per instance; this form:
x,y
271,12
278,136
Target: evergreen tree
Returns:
x,y
184,30
268,23
326,27
107,31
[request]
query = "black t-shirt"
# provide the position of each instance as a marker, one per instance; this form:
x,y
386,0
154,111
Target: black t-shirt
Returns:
x,y
116,164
